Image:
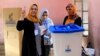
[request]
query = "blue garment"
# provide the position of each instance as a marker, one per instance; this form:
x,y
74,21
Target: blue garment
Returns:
x,y
47,23
47,37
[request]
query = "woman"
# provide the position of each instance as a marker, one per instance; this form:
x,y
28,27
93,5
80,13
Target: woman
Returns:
x,y
72,16
29,39
46,22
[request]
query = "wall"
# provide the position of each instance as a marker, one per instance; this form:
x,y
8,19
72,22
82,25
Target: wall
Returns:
x,y
94,24
1,27
56,8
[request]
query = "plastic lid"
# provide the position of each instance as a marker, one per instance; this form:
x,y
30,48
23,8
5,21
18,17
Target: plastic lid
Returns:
x,y
70,28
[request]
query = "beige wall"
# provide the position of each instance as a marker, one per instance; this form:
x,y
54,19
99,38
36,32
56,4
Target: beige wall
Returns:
x,y
1,27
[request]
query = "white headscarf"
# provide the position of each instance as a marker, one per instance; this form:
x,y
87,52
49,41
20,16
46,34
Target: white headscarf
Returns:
x,y
42,11
47,23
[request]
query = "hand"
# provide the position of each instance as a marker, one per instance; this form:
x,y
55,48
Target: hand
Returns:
x,y
44,32
22,15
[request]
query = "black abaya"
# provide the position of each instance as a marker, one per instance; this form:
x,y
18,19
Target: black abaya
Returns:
x,y
28,41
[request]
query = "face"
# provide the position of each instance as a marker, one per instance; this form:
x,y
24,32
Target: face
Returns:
x,y
34,10
70,9
44,15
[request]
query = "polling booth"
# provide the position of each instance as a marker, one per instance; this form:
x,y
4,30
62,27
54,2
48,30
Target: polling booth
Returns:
x,y
67,40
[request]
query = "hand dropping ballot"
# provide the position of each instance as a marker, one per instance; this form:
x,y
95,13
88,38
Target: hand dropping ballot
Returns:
x,y
42,27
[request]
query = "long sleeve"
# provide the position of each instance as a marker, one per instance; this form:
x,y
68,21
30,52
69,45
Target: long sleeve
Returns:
x,y
20,25
48,23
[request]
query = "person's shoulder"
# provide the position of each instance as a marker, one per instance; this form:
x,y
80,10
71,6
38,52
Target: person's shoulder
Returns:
x,y
66,16
78,18
26,20
48,19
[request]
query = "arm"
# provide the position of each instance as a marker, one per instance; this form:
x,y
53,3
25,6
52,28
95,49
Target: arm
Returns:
x,y
20,25
49,23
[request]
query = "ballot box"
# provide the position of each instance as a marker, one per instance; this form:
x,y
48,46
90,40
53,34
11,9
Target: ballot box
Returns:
x,y
67,40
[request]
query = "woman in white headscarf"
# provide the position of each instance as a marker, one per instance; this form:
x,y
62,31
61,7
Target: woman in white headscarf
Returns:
x,y
46,22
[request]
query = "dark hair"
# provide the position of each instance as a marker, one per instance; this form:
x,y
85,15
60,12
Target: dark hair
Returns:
x,y
45,12
69,5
